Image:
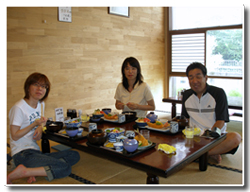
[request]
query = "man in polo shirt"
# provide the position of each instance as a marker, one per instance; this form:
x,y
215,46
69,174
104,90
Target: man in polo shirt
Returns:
x,y
206,107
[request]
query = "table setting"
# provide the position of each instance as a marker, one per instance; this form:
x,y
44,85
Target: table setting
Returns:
x,y
140,143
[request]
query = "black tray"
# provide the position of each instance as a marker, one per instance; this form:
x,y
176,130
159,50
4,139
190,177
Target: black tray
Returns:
x,y
75,138
164,132
103,120
100,121
122,153
127,121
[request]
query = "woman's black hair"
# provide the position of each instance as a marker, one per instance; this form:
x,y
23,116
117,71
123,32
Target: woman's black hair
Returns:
x,y
196,65
134,63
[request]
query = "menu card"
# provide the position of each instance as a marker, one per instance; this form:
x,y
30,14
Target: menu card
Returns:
x,y
59,114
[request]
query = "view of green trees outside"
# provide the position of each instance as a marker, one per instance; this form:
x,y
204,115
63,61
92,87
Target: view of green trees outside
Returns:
x,y
224,58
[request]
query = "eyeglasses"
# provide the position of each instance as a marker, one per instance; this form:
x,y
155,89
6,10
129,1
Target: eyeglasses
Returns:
x,y
42,86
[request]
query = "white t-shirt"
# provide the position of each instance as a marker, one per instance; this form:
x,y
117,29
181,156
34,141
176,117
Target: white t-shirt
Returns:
x,y
22,114
141,94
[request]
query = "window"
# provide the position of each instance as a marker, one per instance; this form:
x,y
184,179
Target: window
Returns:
x,y
204,17
224,52
212,36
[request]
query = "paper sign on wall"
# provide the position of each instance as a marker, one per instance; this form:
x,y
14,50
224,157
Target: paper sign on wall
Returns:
x,y
64,14
59,114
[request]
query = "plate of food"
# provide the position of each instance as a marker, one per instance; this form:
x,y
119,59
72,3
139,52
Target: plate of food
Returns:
x,y
110,117
161,126
142,141
140,147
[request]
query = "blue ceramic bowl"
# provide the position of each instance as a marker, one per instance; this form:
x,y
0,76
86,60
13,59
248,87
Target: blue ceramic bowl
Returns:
x,y
97,116
95,119
112,135
130,145
72,132
141,124
106,110
68,123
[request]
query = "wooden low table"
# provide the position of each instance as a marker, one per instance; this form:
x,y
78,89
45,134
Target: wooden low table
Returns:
x,y
155,163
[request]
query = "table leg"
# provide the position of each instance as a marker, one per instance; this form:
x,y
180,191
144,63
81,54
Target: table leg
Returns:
x,y
173,110
152,179
45,145
203,162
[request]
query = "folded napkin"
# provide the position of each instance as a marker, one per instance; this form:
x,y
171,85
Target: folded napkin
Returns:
x,y
168,149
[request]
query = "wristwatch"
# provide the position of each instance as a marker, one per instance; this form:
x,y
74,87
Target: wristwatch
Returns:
x,y
216,132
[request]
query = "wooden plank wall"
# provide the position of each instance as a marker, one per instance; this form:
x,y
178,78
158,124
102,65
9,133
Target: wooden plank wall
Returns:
x,y
82,59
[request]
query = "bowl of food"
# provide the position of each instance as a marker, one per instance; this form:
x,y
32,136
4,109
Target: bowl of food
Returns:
x,y
76,122
98,113
129,115
95,119
54,126
97,137
142,122
114,132
106,110
72,131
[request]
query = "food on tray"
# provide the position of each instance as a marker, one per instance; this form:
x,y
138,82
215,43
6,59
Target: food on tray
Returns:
x,y
109,145
168,149
141,119
110,116
115,130
98,112
75,121
158,124
141,139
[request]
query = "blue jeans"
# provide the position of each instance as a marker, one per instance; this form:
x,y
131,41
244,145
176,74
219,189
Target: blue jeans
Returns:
x,y
56,164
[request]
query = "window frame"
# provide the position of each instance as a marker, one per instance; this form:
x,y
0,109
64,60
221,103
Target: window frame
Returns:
x,y
168,48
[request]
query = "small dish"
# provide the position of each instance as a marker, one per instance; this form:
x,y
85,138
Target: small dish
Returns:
x,y
118,146
144,147
113,133
80,130
141,122
109,145
107,110
76,122
95,119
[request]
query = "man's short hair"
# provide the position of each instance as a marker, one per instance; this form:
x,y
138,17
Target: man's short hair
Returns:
x,y
198,65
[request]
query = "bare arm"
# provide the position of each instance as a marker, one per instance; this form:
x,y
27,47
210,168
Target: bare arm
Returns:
x,y
17,133
219,124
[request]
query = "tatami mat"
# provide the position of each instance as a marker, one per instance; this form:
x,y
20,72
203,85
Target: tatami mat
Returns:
x,y
102,171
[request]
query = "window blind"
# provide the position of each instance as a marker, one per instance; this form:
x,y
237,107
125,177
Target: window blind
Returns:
x,y
187,48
